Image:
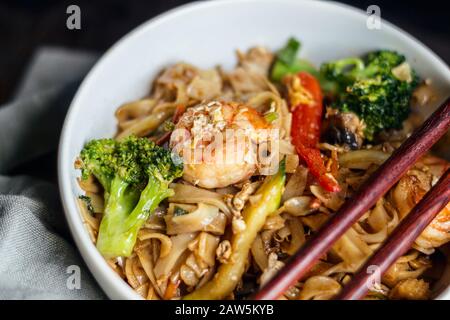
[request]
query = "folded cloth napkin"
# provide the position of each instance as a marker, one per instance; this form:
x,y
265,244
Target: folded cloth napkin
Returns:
x,y
38,259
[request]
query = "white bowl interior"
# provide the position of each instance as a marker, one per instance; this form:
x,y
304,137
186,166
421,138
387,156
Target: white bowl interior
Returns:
x,y
206,34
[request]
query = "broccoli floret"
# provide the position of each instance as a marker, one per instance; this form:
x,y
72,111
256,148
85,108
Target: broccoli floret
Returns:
x,y
99,159
383,60
346,71
382,102
369,88
137,174
159,169
342,72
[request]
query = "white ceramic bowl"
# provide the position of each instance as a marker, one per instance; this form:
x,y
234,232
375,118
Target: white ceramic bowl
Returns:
x,y
206,34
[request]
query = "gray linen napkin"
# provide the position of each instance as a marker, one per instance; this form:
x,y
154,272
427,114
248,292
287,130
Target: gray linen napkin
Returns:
x,y
38,259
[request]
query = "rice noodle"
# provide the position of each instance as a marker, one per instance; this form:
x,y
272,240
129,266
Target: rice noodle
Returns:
x,y
130,113
189,194
185,241
147,124
146,259
165,266
166,243
351,248
89,185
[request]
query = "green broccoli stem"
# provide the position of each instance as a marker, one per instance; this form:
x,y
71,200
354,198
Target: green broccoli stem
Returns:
x,y
104,180
120,231
120,202
355,65
156,191
280,69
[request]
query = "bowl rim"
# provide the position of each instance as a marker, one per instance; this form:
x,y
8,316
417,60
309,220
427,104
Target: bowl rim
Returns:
x,y
114,286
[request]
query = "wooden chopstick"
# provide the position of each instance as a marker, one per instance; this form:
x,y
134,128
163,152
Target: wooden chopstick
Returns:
x,y
376,186
401,239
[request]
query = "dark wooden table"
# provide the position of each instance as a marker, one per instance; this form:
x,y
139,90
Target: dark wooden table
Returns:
x,y
27,24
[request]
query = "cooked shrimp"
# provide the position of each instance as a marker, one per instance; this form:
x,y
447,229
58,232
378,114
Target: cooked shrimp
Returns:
x,y
438,232
214,155
411,188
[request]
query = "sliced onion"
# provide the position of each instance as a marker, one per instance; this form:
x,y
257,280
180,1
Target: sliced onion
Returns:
x,y
296,183
332,201
298,206
297,236
319,288
204,218
362,159
275,222
259,254
403,72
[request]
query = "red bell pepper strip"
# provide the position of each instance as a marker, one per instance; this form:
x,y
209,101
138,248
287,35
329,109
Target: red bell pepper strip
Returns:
x,y
305,98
